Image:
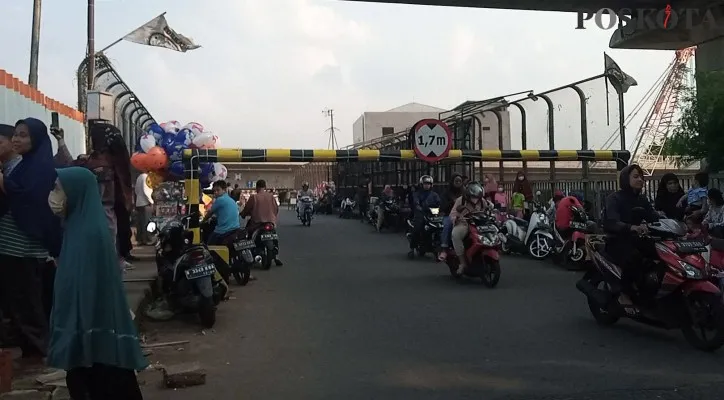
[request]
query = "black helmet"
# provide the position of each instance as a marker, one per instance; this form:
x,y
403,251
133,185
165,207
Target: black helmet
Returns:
x,y
305,184
474,189
425,179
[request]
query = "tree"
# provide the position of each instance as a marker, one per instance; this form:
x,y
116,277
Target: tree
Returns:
x,y
700,133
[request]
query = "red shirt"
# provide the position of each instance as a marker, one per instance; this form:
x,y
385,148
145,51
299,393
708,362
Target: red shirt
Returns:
x,y
564,214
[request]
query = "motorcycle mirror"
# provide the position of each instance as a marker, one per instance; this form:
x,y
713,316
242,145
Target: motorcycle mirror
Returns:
x,y
538,193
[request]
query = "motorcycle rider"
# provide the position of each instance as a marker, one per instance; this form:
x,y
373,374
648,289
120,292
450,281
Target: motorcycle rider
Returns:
x,y
305,192
471,201
453,192
226,211
623,228
423,199
564,214
262,208
387,193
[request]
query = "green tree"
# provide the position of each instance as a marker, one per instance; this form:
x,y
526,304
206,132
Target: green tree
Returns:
x,y
700,133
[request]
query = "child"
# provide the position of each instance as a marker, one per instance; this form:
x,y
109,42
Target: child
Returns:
x,y
695,198
500,199
693,223
518,204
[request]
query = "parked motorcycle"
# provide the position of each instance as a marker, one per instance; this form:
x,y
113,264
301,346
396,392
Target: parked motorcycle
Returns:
x,y
240,251
482,249
432,233
571,252
266,244
346,208
532,237
392,214
187,271
306,210
675,291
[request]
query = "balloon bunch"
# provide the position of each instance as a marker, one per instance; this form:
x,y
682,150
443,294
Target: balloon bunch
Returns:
x,y
160,149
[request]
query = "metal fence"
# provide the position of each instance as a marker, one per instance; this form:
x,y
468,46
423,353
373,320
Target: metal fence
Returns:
x,y
465,123
130,115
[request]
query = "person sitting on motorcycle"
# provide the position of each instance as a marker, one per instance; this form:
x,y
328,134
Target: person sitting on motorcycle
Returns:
x,y
226,211
470,202
305,192
453,192
714,219
387,193
624,226
564,214
262,208
423,199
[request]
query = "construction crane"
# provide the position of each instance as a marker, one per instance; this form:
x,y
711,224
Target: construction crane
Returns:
x,y
661,117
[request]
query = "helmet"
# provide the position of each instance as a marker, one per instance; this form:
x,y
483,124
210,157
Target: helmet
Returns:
x,y
425,179
305,184
558,195
474,189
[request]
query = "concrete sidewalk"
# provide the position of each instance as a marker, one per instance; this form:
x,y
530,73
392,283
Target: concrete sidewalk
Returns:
x,y
138,281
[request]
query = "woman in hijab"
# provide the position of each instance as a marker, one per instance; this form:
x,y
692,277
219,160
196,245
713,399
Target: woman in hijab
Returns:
x,y
667,196
92,335
110,162
387,193
29,233
522,186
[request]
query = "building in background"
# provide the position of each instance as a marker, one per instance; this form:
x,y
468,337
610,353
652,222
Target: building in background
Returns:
x,y
373,125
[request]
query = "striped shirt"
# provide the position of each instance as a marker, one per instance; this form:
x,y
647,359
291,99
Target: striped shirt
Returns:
x,y
15,243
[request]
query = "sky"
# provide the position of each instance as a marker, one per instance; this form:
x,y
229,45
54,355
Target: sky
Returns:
x,y
268,68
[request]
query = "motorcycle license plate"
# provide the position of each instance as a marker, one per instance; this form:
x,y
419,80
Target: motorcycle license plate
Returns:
x,y
436,220
487,229
269,236
200,271
578,225
243,245
690,246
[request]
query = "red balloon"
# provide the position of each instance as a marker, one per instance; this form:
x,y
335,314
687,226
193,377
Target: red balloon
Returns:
x,y
156,158
140,161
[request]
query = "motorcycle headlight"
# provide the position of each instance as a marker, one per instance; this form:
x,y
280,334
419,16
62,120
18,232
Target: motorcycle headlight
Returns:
x,y
690,271
151,227
489,240
434,211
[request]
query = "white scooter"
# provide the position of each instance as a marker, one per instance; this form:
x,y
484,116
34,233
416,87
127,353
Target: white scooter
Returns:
x,y
535,237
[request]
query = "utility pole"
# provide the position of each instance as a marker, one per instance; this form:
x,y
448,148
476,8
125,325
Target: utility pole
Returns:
x,y
35,45
91,69
332,142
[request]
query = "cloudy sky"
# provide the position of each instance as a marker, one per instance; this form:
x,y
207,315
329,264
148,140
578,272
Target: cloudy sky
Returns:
x,y
268,68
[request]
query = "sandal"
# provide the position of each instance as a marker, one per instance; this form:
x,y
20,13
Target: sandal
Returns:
x,y
442,256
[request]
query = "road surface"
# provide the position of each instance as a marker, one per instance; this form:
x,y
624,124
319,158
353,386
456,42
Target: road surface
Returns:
x,y
350,317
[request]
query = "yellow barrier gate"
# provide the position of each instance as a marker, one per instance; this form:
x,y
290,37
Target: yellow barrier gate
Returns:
x,y
193,157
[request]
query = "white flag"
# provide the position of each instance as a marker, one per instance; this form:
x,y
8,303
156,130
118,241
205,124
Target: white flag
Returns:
x,y
157,33
618,78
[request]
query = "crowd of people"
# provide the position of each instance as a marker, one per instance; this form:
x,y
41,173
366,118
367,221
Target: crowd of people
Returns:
x,y
64,243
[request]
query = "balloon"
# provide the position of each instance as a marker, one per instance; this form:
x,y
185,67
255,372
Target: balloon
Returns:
x,y
171,126
206,173
175,152
177,169
220,172
157,132
204,139
154,180
184,138
157,159
169,139
140,161
194,127
147,141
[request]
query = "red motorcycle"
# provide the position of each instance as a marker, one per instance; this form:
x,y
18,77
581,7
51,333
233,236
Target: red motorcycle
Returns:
x,y
675,291
482,250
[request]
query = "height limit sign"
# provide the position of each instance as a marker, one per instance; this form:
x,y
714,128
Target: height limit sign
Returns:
x,y
432,140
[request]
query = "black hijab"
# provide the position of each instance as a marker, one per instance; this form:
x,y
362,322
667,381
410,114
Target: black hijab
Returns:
x,y
666,201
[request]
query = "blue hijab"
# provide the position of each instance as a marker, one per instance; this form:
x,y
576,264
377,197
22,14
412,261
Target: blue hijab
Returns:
x,y
91,321
28,186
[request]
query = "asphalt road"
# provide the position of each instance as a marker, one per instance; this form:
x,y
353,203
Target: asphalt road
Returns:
x,y
350,317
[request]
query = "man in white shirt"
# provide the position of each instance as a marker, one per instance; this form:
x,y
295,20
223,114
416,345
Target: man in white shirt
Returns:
x,y
144,208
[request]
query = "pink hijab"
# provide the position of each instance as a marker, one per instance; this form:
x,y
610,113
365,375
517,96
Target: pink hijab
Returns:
x,y
492,185
387,191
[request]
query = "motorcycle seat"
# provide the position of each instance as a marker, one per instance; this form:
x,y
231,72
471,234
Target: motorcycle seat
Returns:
x,y
717,244
520,221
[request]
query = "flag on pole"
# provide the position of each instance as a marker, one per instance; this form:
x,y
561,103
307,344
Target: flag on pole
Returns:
x,y
157,33
619,79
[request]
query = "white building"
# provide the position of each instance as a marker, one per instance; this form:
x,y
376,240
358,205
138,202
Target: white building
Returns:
x,y
373,125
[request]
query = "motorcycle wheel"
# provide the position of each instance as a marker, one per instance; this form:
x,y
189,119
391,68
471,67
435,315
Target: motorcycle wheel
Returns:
x,y
706,313
491,273
266,257
539,247
207,312
242,277
603,317
580,253
505,248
